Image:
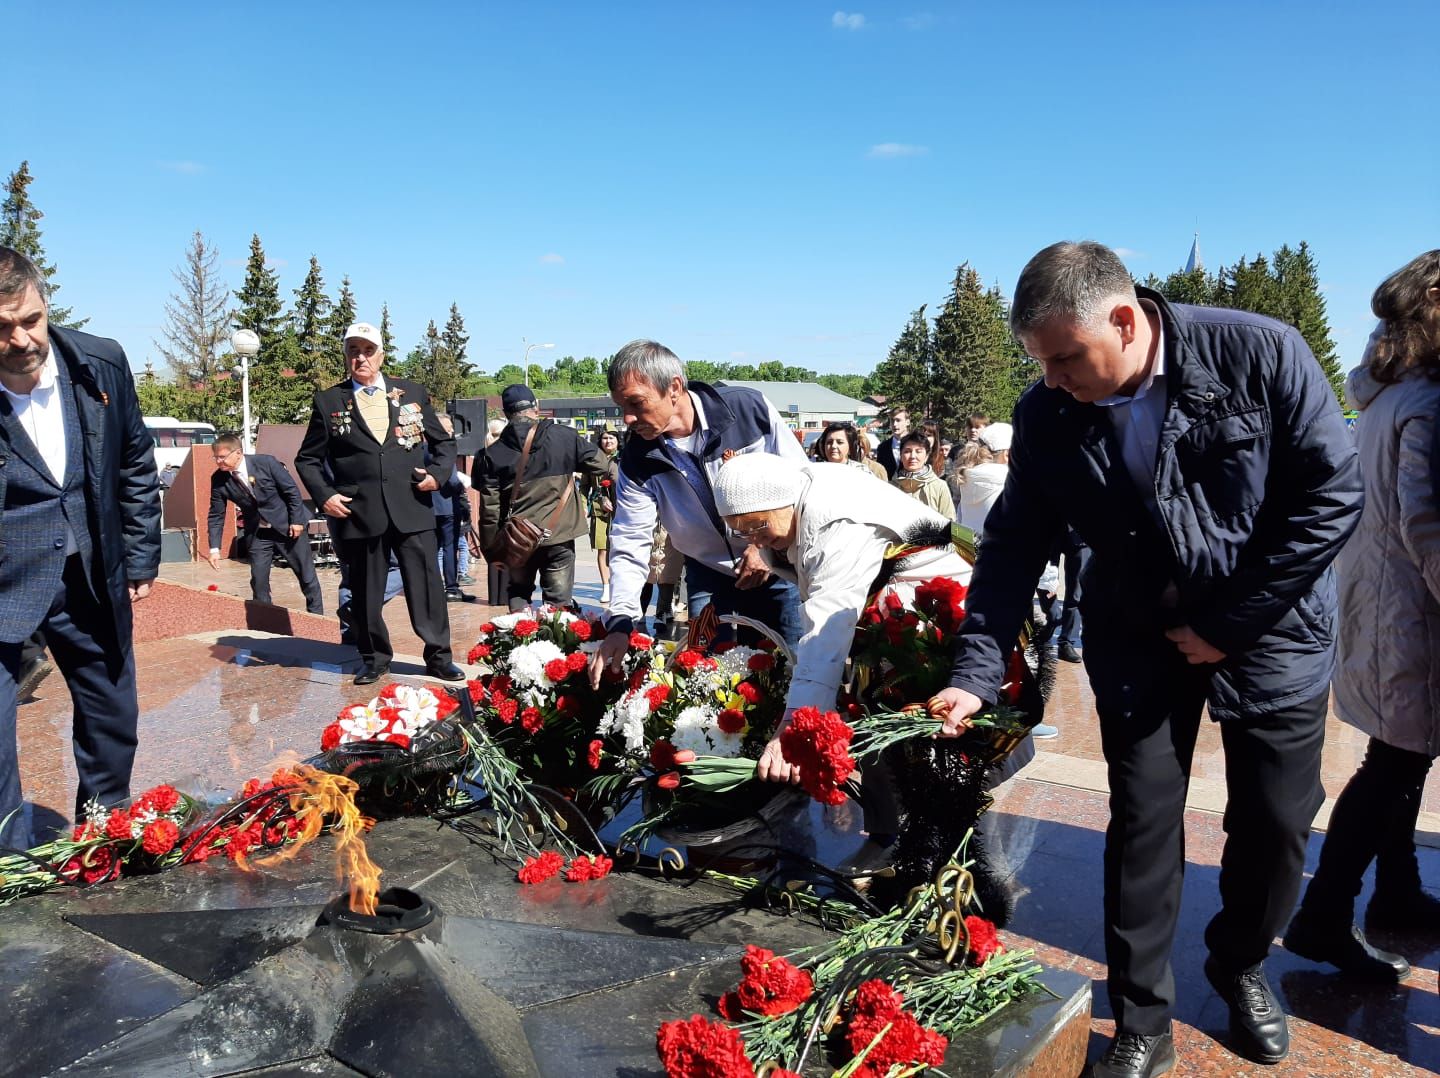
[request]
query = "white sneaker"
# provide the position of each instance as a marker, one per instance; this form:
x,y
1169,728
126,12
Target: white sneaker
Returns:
x,y
605,595
1044,732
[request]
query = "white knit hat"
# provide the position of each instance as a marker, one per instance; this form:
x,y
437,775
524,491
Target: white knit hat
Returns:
x,y
996,437
753,482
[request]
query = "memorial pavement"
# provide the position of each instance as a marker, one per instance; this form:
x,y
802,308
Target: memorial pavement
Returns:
x,y
220,702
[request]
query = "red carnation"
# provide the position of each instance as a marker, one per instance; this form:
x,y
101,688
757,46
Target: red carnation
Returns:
x,y
540,868
478,652
531,719
640,640
160,798
893,603
748,692
477,691
525,628
722,647
984,940
582,630
687,660
213,587
84,832
904,1044
699,1048
731,720
159,837
403,740
507,710
93,866
584,869
766,644
593,756
445,705
118,825
819,745
656,695
567,705
576,661
761,661
487,628
330,737
769,986
557,669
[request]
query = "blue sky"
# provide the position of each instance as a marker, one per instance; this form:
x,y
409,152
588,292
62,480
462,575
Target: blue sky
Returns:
x,y
783,180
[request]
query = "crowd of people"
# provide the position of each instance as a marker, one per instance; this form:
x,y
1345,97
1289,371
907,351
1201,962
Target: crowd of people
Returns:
x,y
1189,467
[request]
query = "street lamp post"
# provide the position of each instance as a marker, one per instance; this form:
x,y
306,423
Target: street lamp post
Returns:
x,y
550,344
246,345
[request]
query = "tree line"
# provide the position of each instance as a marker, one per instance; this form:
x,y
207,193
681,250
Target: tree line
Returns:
x,y
960,361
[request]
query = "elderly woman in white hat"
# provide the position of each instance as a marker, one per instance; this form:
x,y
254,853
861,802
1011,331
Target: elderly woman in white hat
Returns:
x,y
828,527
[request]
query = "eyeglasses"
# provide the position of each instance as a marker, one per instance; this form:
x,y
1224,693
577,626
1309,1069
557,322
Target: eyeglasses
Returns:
x,y
225,456
751,532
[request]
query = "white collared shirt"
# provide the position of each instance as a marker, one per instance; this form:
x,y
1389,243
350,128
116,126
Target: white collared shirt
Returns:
x,y
40,413
1137,420
379,384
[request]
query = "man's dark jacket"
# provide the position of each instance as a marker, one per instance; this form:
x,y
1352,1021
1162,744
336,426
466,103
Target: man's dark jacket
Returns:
x,y
557,453
1257,486
121,494
885,456
273,497
377,477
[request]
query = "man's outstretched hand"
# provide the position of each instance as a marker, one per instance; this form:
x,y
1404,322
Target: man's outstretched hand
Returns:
x,y
955,706
611,653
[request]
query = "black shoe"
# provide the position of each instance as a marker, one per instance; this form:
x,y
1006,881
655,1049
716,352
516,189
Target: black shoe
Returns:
x,y
31,677
1132,1055
1070,653
1413,912
448,672
368,674
1257,1024
455,595
1344,948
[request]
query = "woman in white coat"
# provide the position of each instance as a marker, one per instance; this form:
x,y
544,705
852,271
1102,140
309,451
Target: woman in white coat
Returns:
x,y
1388,680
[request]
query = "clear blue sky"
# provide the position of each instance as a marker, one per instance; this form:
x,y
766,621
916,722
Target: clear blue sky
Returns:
x,y
782,180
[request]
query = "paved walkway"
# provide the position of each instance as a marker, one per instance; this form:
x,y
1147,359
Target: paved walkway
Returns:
x,y
222,705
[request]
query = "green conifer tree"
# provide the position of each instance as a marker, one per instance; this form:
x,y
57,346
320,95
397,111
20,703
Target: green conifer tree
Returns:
x,y
259,299
1302,306
310,326
904,375
342,316
387,335
974,354
20,231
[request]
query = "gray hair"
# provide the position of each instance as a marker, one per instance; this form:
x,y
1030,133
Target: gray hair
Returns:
x,y
18,273
649,360
1068,281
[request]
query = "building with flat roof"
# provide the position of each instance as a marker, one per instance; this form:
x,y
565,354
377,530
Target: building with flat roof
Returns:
x,y
809,405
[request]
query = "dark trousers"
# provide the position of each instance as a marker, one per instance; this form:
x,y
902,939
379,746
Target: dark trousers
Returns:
x,y
1374,820
100,672
1272,776
449,554
555,566
369,564
1076,556
775,603
263,544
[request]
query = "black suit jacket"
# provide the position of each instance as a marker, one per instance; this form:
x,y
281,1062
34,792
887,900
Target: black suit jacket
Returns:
x,y
273,497
378,477
885,455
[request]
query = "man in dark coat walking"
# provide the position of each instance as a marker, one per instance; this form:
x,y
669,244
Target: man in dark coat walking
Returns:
x,y
374,433
1201,455
79,534
272,517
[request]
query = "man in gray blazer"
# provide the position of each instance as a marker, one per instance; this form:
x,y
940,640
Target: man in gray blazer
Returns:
x,y
79,533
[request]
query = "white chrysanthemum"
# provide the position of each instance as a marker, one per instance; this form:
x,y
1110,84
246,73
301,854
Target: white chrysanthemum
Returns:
x,y
692,730
509,621
633,730
527,663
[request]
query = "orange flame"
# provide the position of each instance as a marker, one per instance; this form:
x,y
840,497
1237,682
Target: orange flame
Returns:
x,y
319,795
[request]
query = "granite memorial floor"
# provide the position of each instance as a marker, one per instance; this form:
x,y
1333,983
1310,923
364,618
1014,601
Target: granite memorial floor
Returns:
x,y
221,702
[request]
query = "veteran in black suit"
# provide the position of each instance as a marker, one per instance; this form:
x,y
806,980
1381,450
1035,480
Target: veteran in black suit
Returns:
x,y
272,516
373,434
79,534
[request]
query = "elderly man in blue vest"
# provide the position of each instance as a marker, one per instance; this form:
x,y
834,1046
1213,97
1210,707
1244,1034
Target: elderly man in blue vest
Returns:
x,y
79,533
681,432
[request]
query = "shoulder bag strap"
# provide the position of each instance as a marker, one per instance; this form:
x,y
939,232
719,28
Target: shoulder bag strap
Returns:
x,y
520,468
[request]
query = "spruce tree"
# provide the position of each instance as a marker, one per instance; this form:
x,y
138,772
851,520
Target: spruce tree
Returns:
x,y
973,352
196,331
310,325
20,231
342,316
259,298
454,338
1302,306
387,335
904,376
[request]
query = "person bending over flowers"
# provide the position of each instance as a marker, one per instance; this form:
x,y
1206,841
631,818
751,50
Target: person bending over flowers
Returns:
x,y
828,528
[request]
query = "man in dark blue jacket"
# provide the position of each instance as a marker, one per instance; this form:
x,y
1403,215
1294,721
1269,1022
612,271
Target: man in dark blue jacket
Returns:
x,y
1202,457
272,516
79,533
